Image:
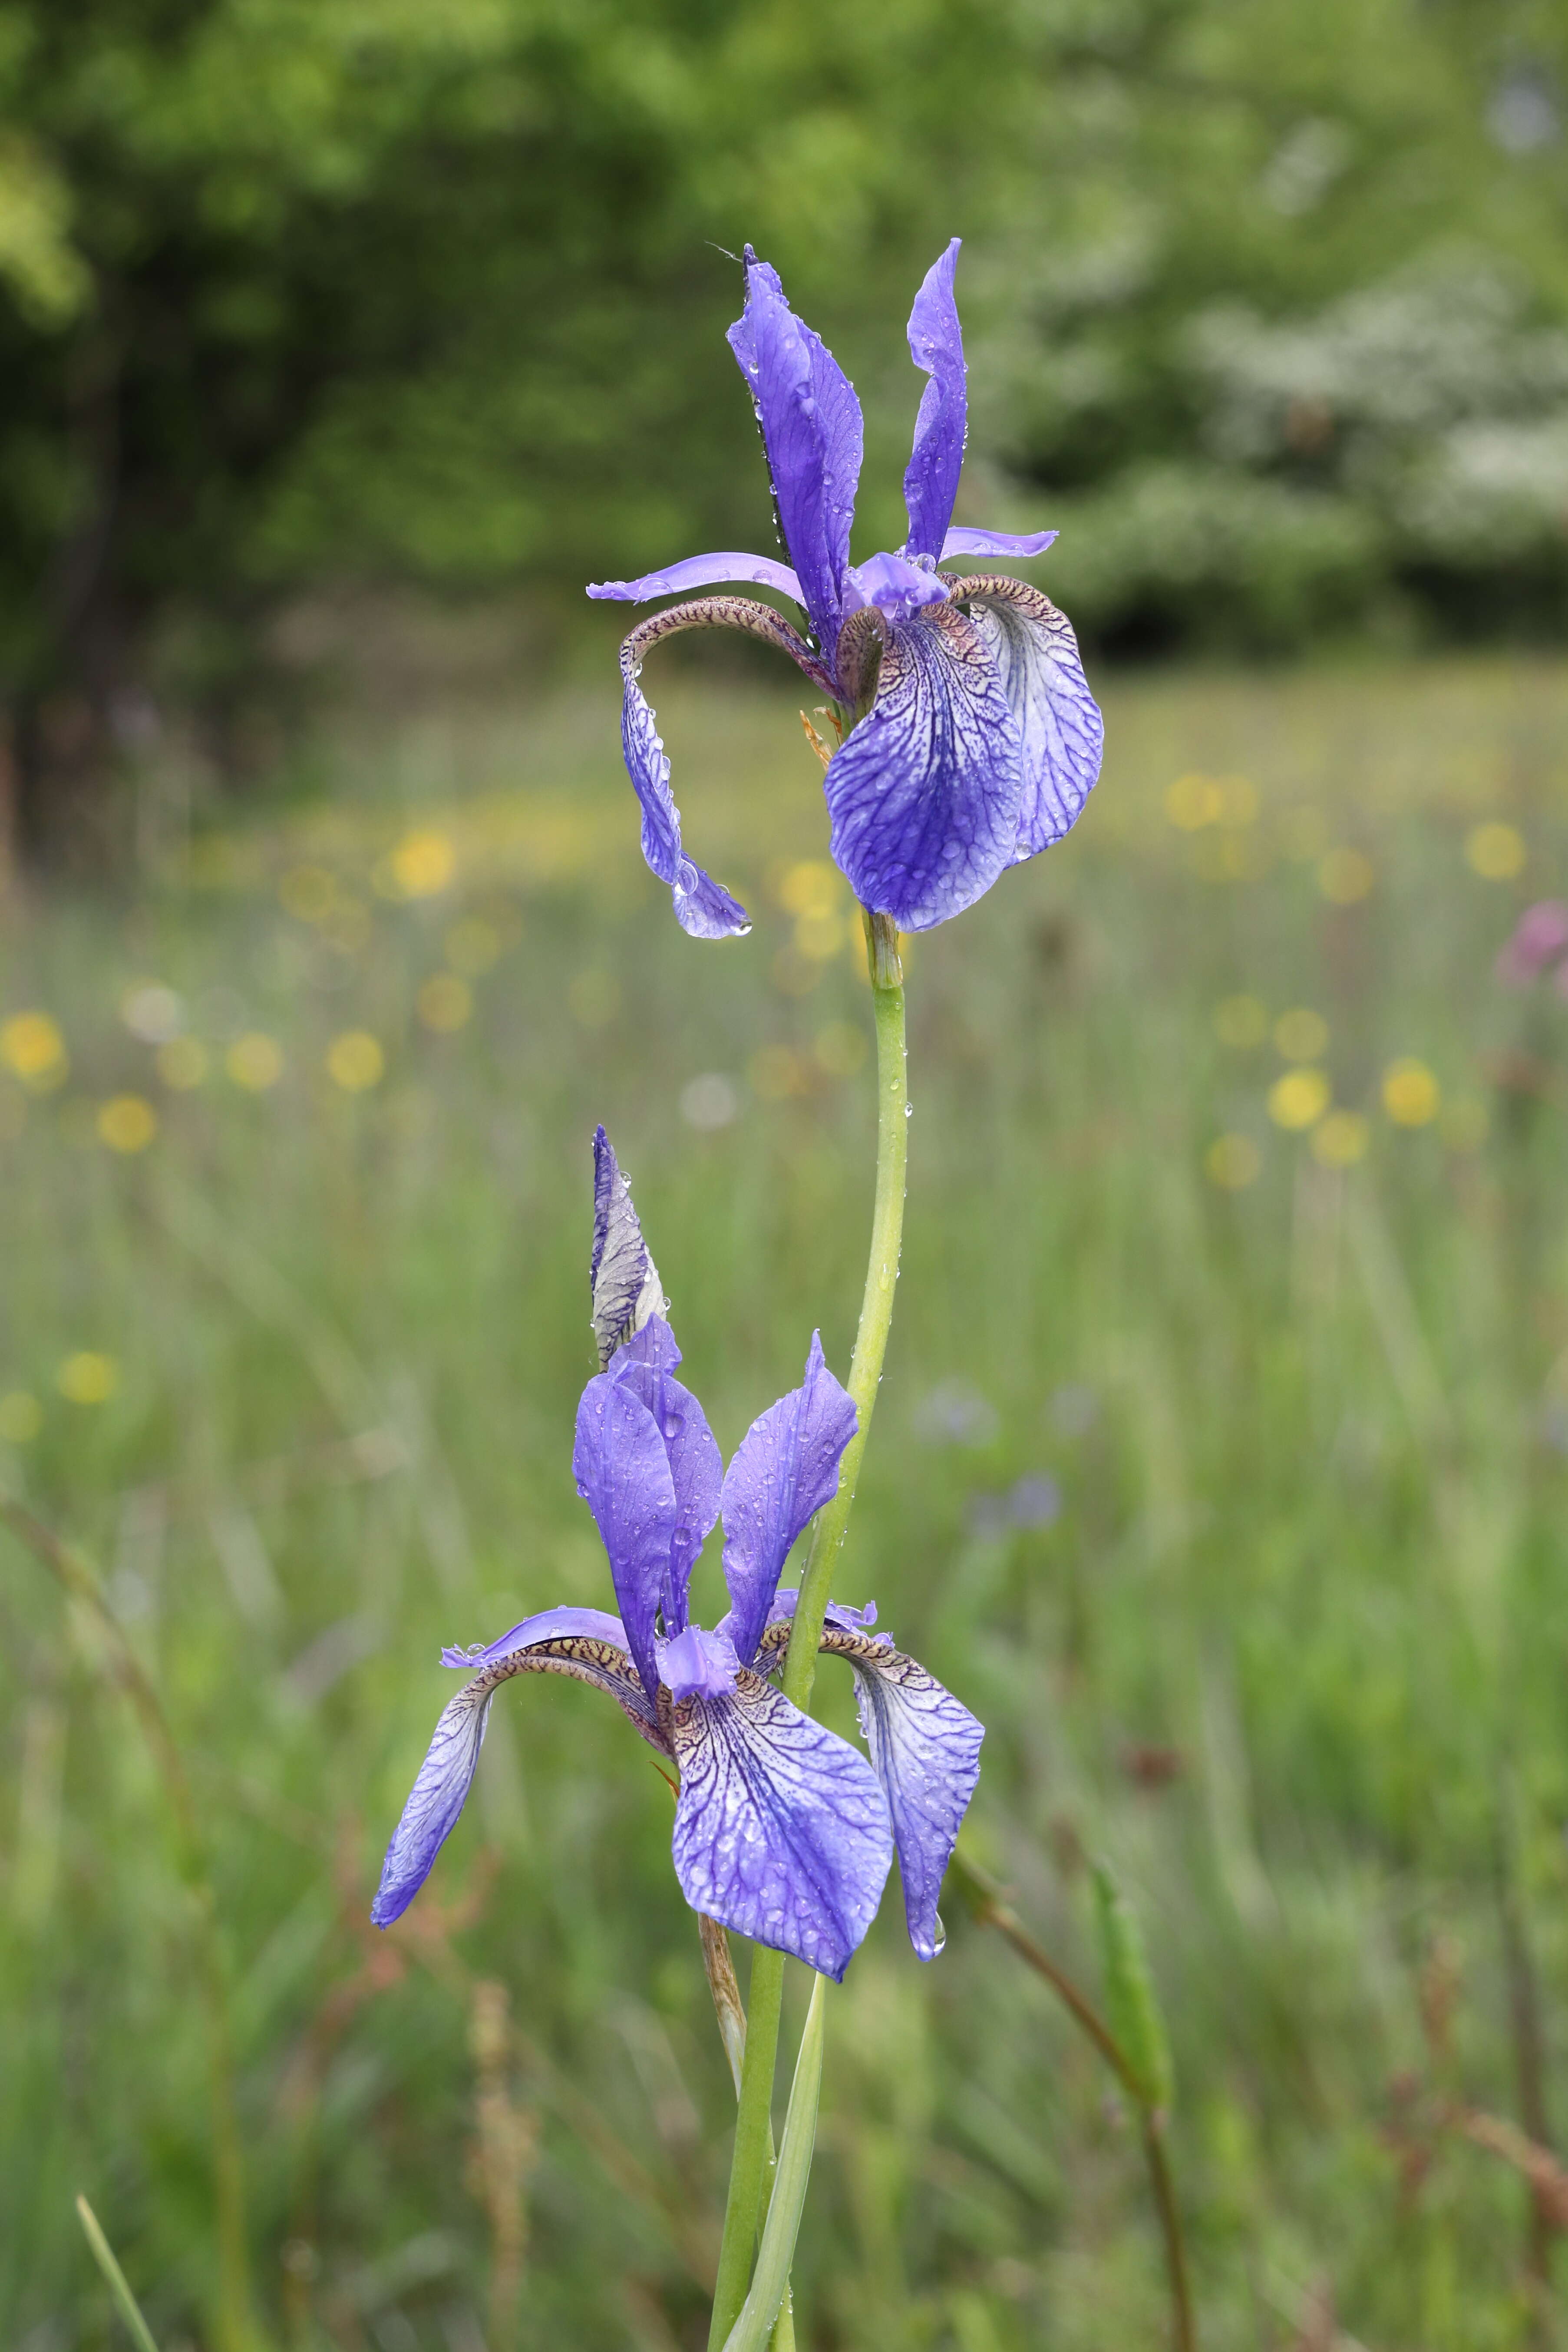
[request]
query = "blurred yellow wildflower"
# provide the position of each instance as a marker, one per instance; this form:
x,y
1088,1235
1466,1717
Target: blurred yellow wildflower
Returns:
x,y
1300,1099
841,1048
31,1045
87,1378
1233,1161
254,1062
308,892
1241,1021
21,1417
1341,1140
1345,874
776,1071
1193,801
819,937
1495,851
127,1123
1302,1036
594,998
1411,1095
183,1063
472,945
355,1061
421,866
1465,1123
812,887
443,1002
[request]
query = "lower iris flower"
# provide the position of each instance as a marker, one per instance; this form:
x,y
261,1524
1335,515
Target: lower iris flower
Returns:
x,y
783,1832
978,739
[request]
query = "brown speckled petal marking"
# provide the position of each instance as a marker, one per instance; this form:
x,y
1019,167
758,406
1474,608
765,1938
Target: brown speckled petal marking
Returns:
x,y
1057,718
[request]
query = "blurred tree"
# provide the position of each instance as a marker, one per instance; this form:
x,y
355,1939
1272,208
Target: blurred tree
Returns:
x,y
295,288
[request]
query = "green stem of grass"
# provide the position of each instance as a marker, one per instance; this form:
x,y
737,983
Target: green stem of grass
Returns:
x,y
234,2330
753,2121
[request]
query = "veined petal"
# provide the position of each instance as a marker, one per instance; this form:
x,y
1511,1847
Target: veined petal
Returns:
x,y
924,793
936,344
700,572
812,436
702,906
1057,718
621,1272
448,1772
622,1469
783,1470
781,1616
781,1827
546,1625
1016,545
646,1366
925,1751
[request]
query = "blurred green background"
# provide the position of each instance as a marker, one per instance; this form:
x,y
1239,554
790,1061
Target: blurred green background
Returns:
x,y
1221,1459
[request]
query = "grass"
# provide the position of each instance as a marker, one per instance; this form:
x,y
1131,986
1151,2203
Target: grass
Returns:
x,y
1279,1623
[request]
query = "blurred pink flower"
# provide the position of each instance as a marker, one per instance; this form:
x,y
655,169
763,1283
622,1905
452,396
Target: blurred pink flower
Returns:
x,y
1540,937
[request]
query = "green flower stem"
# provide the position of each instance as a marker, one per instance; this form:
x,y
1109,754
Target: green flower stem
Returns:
x,y
753,2133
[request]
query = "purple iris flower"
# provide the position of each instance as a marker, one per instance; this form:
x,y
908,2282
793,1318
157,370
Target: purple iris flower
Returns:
x,y
783,1831
978,738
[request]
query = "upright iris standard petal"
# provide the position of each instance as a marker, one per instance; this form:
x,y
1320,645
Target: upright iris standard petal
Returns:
x,y
936,344
700,572
1011,543
646,1365
925,1751
781,1827
783,1470
924,794
1058,721
557,1647
622,1469
813,435
622,1276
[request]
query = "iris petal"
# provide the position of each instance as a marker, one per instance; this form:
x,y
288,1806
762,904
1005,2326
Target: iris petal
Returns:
x,y
924,793
1057,718
646,1366
621,1272
813,435
1016,545
446,1774
936,344
700,572
622,1469
783,1470
781,1827
925,1751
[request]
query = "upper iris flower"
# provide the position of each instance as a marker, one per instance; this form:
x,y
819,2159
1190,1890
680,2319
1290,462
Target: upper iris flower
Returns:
x,y
980,739
783,1831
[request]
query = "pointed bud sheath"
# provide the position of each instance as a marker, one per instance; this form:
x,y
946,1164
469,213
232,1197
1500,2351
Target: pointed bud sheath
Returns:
x,y
1132,2004
624,1279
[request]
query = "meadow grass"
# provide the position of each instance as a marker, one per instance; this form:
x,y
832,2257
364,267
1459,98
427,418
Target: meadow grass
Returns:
x,y
1220,1466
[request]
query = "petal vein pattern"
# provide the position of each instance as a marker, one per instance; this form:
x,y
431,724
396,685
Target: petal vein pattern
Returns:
x,y
925,1751
622,1276
936,344
924,795
1058,721
781,1828
813,435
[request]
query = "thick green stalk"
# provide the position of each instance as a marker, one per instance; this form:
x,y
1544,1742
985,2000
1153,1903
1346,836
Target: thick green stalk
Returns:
x,y
753,2121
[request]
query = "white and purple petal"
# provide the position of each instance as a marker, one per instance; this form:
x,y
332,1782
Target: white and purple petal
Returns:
x,y
545,1625
1057,718
924,794
781,1827
936,344
783,1470
700,572
622,1468
646,1366
925,1751
622,1276
1016,545
575,1648
812,432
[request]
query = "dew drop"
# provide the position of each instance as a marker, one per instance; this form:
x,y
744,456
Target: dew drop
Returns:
x,y
939,1937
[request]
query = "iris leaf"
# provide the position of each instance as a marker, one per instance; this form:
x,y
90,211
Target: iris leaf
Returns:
x,y
103,2255
771,2277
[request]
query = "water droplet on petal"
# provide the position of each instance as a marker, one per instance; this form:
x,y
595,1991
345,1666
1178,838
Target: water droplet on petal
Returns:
x,y
939,1936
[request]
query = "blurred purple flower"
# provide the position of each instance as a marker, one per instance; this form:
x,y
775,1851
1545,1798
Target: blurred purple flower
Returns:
x,y
1034,1501
980,740
955,1414
783,1831
1540,937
